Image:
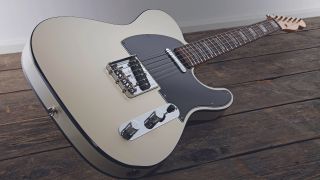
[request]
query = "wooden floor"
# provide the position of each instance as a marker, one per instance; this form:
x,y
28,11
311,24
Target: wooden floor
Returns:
x,y
272,130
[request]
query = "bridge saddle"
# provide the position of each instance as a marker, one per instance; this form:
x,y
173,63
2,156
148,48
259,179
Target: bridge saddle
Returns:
x,y
131,76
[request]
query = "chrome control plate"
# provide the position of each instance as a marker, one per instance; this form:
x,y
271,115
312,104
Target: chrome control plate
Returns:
x,y
138,124
131,76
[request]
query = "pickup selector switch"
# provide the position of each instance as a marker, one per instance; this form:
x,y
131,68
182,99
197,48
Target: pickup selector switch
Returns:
x,y
157,117
148,121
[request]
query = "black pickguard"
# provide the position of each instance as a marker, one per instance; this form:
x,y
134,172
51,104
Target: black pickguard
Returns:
x,y
181,89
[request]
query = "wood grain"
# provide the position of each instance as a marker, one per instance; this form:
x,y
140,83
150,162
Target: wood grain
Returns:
x,y
295,161
13,80
20,106
10,61
62,163
259,68
268,93
243,133
215,140
28,137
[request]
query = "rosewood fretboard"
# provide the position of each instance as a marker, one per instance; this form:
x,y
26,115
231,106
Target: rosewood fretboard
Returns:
x,y
201,51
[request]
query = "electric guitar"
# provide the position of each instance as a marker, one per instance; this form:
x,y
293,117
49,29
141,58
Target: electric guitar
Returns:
x,y
122,94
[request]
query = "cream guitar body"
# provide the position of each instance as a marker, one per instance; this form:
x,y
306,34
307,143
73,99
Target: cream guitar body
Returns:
x,y
123,122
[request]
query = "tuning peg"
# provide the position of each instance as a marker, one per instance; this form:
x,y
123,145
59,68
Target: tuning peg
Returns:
x,y
269,16
294,20
290,19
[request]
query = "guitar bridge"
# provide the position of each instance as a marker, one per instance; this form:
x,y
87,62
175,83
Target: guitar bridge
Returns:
x,y
131,76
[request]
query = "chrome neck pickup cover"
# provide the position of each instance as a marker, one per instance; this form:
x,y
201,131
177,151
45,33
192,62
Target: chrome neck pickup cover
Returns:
x,y
131,76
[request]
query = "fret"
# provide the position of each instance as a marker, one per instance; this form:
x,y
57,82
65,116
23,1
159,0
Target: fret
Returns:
x,y
205,49
253,33
188,55
263,29
219,44
229,41
268,26
243,36
197,50
236,37
274,24
185,54
213,54
248,34
235,42
222,42
258,30
239,37
194,58
214,46
202,52
195,54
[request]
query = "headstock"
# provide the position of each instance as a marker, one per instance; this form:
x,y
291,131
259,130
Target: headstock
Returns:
x,y
288,24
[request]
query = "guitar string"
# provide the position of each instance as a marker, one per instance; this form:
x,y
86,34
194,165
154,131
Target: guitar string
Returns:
x,y
225,41
153,69
231,31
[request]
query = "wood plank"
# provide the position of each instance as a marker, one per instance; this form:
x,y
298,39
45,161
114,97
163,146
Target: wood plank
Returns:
x,y
245,132
59,164
13,80
259,68
268,93
27,137
297,161
19,106
10,61
225,137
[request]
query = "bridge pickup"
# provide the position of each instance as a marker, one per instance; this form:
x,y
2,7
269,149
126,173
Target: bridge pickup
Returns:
x,y
139,74
131,76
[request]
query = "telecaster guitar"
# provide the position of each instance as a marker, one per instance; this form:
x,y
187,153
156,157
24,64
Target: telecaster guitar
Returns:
x,y
122,94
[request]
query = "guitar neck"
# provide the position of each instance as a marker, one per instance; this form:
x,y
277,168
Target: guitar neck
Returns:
x,y
203,50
